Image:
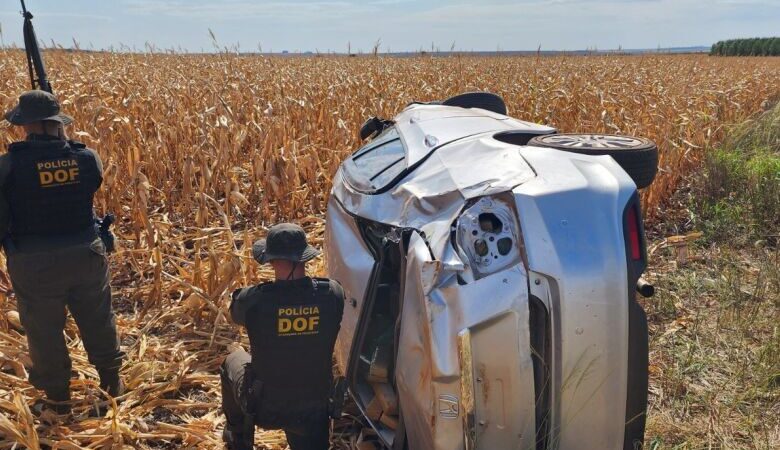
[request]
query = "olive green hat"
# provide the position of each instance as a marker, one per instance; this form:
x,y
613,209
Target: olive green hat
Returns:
x,y
37,106
285,241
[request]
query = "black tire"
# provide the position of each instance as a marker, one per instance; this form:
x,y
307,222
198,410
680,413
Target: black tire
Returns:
x,y
483,100
637,156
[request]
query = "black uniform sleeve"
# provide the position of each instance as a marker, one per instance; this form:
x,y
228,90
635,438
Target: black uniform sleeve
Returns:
x,y
237,311
5,212
98,163
243,300
338,293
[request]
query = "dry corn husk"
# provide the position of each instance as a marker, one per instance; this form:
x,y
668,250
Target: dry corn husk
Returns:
x,y
14,321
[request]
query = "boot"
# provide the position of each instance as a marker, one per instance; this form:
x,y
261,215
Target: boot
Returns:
x,y
57,400
111,382
235,440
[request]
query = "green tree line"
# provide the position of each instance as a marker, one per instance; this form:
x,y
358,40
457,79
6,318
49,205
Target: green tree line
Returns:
x,y
747,47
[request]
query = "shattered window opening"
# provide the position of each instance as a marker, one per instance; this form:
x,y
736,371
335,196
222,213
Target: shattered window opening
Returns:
x,y
377,164
386,136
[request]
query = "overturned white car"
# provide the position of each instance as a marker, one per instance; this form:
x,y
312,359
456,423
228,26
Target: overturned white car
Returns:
x,y
490,268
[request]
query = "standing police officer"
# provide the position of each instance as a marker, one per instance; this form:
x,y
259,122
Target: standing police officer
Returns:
x,y
292,325
56,259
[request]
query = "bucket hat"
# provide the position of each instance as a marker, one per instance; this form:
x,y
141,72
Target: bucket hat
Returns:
x,y
285,241
37,106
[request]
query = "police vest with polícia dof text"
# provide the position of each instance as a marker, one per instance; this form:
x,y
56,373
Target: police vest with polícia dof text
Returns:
x,y
51,188
292,331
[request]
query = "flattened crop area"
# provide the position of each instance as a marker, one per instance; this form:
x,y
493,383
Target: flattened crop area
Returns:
x,y
201,153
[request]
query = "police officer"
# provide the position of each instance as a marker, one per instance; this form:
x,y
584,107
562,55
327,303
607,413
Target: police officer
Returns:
x,y
292,325
55,258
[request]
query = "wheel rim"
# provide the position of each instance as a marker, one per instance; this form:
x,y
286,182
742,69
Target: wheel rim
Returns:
x,y
593,141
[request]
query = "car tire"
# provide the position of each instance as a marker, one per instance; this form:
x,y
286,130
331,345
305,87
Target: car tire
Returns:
x,y
637,156
483,100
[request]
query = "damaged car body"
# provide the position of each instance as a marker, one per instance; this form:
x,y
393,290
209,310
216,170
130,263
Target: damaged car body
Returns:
x,y
490,279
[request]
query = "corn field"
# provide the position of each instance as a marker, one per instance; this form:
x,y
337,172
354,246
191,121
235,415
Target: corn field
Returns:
x,y
202,153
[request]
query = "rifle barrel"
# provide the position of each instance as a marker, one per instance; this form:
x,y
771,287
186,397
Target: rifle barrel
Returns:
x,y
34,59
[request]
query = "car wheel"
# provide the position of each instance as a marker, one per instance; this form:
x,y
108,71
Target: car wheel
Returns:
x,y
483,100
637,156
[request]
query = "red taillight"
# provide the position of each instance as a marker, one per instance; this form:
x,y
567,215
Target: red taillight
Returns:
x,y
634,240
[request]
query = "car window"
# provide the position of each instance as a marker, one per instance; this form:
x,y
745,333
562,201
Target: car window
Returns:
x,y
377,164
387,135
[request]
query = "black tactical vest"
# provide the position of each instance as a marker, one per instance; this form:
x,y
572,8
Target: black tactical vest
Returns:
x,y
292,331
51,188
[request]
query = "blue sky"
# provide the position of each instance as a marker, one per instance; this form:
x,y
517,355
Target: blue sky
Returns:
x,y
300,25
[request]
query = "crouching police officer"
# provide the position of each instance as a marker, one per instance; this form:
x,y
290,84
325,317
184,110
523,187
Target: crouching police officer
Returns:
x,y
292,325
56,259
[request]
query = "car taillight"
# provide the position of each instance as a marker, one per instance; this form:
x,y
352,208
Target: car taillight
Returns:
x,y
634,239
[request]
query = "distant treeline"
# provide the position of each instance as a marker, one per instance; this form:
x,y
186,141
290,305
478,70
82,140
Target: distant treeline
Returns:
x,y
747,47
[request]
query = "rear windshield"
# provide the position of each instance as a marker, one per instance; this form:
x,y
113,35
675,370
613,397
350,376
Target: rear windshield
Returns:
x,y
376,164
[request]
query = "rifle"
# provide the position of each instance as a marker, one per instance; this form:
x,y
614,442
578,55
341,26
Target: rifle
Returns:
x,y
35,64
